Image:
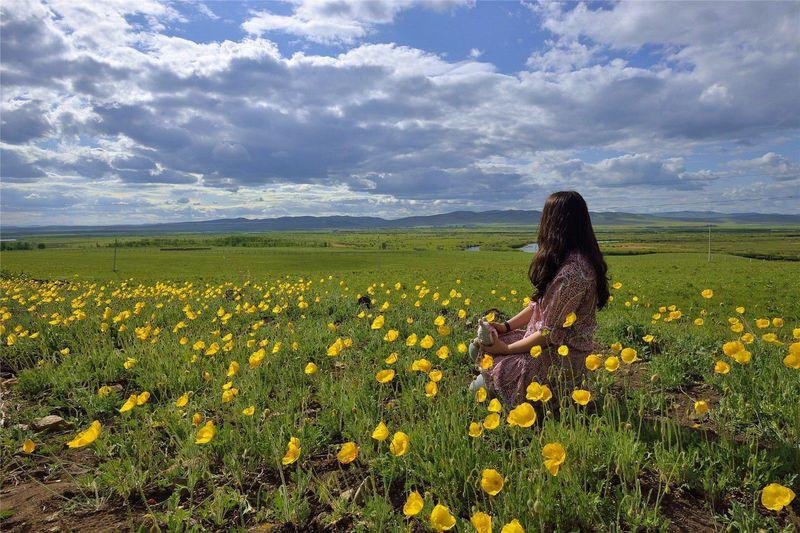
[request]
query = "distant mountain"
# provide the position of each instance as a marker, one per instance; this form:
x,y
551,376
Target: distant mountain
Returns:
x,y
511,217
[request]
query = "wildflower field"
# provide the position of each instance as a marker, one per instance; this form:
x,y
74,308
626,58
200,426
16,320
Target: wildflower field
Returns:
x,y
302,388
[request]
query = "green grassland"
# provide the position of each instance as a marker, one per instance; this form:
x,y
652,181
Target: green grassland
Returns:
x,y
638,457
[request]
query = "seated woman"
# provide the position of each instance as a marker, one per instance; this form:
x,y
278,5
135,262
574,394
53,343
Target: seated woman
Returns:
x,y
568,274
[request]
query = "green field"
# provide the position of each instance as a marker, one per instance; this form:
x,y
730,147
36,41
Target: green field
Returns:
x,y
638,456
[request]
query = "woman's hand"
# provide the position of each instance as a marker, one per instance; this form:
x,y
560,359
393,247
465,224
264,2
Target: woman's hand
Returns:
x,y
498,327
498,348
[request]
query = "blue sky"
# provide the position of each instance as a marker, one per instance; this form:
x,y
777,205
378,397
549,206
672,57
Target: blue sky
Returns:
x,y
147,111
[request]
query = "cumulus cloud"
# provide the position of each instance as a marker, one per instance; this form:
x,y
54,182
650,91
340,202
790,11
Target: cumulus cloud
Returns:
x,y
338,21
101,96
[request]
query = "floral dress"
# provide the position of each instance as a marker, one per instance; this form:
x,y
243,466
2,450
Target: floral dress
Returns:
x,y
573,289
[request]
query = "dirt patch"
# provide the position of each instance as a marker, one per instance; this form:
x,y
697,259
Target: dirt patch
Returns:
x,y
35,506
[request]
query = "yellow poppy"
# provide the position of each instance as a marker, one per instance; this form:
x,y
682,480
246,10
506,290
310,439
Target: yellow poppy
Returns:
x,y
513,527
381,432
292,451
414,504
554,456
475,429
347,453
431,389
775,496
399,444
378,322
441,519
611,363
491,481
392,359
721,367
536,351
385,376
182,400
482,522
481,394
233,368
495,406
628,355
310,369
391,335
491,421
28,446
129,404
87,436
707,293
522,415
426,342
593,362
563,350
581,396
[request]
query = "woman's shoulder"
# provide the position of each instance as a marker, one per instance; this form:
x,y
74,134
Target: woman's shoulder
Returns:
x,y
576,263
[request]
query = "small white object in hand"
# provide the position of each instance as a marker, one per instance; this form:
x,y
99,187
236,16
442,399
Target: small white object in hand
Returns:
x,y
485,332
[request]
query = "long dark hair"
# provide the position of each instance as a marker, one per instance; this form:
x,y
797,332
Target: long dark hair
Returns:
x,y
565,226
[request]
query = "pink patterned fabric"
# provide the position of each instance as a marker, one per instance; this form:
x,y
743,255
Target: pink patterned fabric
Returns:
x,y
573,289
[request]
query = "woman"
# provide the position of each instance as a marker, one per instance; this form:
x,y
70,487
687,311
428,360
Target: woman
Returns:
x,y
568,274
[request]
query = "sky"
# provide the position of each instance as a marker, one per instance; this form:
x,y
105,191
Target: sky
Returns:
x,y
159,111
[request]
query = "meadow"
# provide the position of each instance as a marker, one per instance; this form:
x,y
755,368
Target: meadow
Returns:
x,y
318,381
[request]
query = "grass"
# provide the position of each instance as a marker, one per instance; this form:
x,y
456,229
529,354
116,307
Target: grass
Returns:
x,y
636,453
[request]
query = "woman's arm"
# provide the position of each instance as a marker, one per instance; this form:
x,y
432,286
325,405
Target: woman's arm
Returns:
x,y
523,345
517,321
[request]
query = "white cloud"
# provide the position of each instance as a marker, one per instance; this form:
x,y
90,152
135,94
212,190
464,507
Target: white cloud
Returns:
x,y
338,21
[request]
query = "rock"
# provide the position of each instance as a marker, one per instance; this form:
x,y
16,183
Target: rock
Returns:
x,y
22,427
117,387
50,423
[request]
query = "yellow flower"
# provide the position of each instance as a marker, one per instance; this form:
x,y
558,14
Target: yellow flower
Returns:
x,y
183,400
439,321
256,357
392,359
129,404
292,451
426,342
105,390
249,411
581,396
475,429
775,496
721,367
628,355
748,338
481,394
399,444
491,481
495,406
421,365
310,369
206,433
569,320
648,339
792,360
617,285
336,348
742,357
737,327
611,363
536,351
435,375
699,321
391,335
522,415
87,436
482,522
196,419
777,322
740,310
414,504
385,376
700,407
381,432
563,350
441,519
229,395
487,361
214,348
347,453
513,527
762,323
593,362
554,456
431,389
732,347
443,352
378,322
129,363
64,351
707,293
28,446
491,421
617,346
